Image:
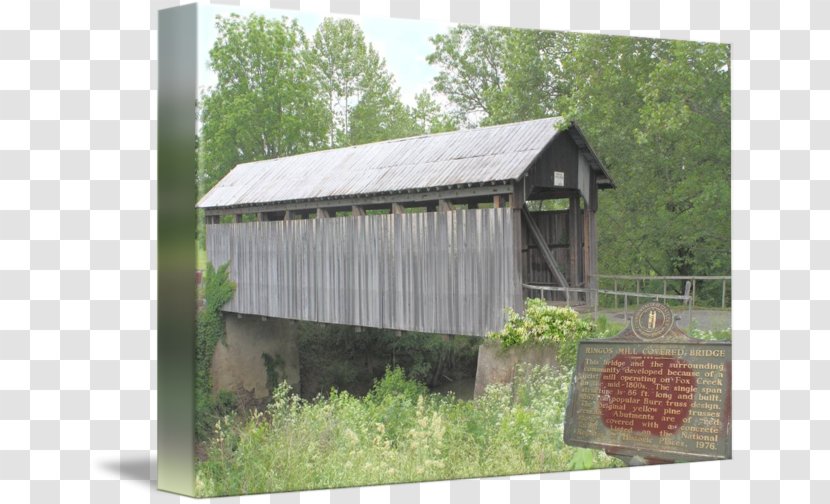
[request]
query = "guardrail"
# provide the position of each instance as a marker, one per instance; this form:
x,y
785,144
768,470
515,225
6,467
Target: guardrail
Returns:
x,y
595,296
642,280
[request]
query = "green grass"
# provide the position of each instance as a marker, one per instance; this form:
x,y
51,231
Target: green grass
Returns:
x,y
397,433
201,258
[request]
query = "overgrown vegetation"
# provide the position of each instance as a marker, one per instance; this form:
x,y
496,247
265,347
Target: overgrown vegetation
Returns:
x,y
274,369
396,433
545,325
339,357
210,330
713,335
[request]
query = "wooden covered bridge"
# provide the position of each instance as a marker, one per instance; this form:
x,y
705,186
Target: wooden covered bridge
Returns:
x,y
429,233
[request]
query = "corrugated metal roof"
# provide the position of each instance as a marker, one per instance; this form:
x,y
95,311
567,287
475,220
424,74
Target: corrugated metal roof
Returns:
x,y
475,156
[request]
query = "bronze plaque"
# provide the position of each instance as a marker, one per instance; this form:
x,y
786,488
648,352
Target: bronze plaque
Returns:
x,y
666,398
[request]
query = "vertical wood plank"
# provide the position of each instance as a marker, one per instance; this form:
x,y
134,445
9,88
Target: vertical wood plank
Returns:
x,y
450,272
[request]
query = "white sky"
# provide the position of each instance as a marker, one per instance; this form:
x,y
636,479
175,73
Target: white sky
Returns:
x,y
404,44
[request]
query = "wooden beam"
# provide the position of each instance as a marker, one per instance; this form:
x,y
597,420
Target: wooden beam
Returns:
x,y
444,205
518,261
518,197
358,210
547,255
237,217
498,201
409,199
397,208
575,240
289,214
589,252
323,213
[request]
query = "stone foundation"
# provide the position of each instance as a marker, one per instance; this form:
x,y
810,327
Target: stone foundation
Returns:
x,y
238,364
498,365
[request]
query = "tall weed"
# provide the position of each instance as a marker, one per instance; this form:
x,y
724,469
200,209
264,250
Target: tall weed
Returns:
x,y
398,432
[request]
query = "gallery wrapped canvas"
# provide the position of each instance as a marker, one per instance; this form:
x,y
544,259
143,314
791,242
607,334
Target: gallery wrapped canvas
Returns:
x,y
396,251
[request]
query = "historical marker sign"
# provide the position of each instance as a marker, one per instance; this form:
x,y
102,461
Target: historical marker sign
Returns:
x,y
653,392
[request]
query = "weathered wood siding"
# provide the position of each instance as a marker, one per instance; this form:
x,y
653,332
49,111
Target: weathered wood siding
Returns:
x,y
438,272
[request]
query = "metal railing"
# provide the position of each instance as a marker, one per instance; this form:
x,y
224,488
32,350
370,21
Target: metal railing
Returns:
x,y
643,280
594,296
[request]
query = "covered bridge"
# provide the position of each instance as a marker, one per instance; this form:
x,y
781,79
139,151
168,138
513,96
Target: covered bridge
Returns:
x,y
429,233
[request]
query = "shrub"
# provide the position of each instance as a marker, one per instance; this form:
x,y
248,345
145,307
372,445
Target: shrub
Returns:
x,y
210,329
545,325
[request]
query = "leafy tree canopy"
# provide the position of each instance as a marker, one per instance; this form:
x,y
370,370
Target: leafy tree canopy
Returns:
x,y
363,100
656,111
266,103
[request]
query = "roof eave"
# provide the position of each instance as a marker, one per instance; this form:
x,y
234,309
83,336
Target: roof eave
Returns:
x,y
310,201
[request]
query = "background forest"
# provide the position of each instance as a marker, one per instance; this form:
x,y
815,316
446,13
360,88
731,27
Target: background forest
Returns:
x,y
656,112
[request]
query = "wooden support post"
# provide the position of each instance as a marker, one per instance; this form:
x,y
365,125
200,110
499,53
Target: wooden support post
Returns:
x,y
574,243
397,208
289,214
237,217
518,262
358,210
589,254
261,216
444,205
323,213
498,201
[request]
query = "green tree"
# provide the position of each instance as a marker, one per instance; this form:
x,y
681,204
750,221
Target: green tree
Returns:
x,y
361,95
657,111
266,102
498,75
429,117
